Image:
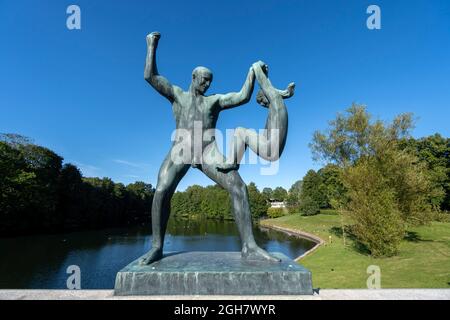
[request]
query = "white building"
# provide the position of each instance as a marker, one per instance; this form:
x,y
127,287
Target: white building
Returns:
x,y
278,204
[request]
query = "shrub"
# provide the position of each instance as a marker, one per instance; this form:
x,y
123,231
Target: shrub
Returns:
x,y
275,212
293,209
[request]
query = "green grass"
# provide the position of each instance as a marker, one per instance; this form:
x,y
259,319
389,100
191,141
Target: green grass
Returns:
x,y
423,260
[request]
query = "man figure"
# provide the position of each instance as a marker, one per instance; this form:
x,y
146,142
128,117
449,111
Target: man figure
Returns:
x,y
191,109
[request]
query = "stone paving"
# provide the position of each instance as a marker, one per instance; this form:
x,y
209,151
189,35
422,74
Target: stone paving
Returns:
x,y
329,294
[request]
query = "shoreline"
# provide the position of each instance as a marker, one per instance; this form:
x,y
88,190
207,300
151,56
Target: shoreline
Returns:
x,y
296,233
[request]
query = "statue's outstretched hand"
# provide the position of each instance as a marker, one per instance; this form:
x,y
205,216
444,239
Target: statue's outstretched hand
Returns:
x,y
289,92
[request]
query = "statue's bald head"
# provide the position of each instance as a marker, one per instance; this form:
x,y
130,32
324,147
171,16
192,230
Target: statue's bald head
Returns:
x,y
199,71
201,79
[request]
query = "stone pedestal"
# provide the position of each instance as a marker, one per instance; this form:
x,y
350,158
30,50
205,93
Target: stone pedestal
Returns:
x,y
214,273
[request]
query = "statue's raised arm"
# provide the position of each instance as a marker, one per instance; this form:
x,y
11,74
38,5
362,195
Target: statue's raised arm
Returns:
x,y
234,99
160,83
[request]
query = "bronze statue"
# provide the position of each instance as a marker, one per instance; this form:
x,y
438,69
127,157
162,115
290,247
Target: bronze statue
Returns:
x,y
193,110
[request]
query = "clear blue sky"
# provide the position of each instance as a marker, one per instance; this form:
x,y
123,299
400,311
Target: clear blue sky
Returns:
x,y
82,93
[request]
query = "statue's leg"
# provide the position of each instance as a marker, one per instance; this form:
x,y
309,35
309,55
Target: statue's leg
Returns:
x,y
238,146
268,146
169,176
233,183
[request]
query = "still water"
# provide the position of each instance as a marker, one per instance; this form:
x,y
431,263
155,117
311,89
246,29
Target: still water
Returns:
x,y
41,262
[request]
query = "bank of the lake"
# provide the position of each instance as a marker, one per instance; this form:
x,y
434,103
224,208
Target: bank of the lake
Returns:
x,y
423,260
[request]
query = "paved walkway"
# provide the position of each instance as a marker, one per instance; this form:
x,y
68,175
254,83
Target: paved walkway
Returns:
x,y
337,294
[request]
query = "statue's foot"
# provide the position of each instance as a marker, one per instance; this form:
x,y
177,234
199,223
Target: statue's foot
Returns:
x,y
228,167
256,253
153,255
291,88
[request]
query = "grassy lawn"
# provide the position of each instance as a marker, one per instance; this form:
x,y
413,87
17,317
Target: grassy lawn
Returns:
x,y
423,260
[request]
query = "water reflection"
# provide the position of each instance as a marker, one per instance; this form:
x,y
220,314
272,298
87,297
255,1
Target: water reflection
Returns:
x,y
41,261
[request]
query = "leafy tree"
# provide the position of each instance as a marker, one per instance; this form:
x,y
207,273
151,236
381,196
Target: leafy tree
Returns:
x,y
279,194
216,203
17,185
39,194
378,222
293,198
435,152
140,195
331,186
258,203
213,202
267,192
354,140
311,199
70,188
309,206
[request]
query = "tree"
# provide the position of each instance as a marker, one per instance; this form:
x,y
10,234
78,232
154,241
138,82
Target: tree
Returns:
x,y
70,200
140,198
293,198
267,192
211,202
310,197
435,152
331,187
258,203
309,206
279,194
39,194
17,185
378,222
354,143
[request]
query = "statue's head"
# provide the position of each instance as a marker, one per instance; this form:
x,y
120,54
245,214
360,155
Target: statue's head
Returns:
x,y
201,79
262,99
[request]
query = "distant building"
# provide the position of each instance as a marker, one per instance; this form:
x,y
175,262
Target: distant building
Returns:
x,y
277,204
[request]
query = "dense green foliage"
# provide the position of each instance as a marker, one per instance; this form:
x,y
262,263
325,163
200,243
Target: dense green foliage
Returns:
x,y
389,180
276,212
40,194
309,206
293,198
318,189
377,220
434,151
279,194
311,199
258,202
267,192
213,202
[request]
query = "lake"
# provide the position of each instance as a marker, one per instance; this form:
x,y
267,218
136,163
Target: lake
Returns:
x,y
41,262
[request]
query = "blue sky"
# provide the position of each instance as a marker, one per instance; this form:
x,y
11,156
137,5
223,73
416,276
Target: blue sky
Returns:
x,y
82,92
